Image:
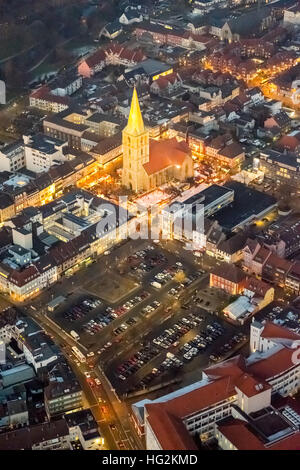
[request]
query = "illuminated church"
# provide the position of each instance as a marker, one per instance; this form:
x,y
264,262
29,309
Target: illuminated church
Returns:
x,y
148,163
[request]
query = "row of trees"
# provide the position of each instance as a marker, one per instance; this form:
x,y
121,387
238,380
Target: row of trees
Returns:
x,y
30,29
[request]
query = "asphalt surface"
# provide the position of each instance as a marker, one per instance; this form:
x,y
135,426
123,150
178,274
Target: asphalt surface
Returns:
x,y
111,412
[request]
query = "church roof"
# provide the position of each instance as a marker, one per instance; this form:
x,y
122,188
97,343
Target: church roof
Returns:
x,y
165,153
135,124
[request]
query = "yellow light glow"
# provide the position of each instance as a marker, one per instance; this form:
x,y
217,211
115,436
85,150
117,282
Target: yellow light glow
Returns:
x,y
135,123
163,74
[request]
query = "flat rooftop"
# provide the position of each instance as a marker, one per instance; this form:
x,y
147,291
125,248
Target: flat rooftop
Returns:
x,y
152,67
45,144
247,205
209,195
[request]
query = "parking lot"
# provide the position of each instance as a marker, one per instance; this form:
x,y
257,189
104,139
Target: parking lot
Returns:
x,y
277,312
105,317
181,345
164,330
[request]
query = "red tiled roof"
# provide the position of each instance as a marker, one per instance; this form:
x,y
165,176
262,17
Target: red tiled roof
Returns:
x,y
271,330
278,263
250,386
257,286
289,142
40,92
96,58
288,443
230,107
273,365
132,55
295,270
163,82
20,278
239,434
165,153
229,272
198,399
172,434
233,367
220,141
43,93
262,255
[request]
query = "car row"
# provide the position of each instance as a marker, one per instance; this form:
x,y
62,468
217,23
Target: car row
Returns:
x,y
109,314
135,362
164,276
169,363
151,307
81,309
144,261
227,347
95,325
175,292
201,341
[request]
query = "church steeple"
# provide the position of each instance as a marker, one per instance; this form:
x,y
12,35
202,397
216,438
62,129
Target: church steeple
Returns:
x,y
135,124
135,148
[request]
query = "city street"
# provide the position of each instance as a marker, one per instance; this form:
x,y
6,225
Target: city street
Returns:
x,y
104,410
112,415
110,401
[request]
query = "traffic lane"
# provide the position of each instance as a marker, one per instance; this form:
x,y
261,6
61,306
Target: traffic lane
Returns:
x,y
120,410
64,341
104,412
88,391
93,402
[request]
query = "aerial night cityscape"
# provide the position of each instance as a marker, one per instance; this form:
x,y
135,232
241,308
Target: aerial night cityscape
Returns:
x,y
150,228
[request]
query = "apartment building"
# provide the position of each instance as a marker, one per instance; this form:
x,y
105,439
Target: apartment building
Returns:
x,y
46,436
228,277
43,99
236,388
12,156
43,152
281,168
63,392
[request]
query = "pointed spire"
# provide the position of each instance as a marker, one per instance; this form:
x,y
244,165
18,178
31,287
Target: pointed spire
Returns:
x,y
135,124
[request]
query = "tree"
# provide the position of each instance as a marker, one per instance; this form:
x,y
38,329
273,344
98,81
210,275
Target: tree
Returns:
x,y
14,76
180,277
4,119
